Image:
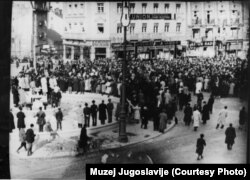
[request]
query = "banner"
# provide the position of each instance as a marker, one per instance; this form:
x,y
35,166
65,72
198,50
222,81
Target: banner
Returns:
x,y
150,16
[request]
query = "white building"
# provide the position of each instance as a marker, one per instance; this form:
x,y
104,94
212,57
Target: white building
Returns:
x,y
87,30
21,29
217,28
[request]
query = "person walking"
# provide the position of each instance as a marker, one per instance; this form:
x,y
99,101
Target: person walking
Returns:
x,y
188,112
86,112
205,113
83,142
144,117
200,146
102,112
110,107
94,110
30,138
222,118
163,121
196,118
242,118
20,119
230,136
59,118
40,119
199,100
22,138
211,103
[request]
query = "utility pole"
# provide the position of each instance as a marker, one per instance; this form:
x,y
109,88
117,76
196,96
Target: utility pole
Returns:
x,y
125,20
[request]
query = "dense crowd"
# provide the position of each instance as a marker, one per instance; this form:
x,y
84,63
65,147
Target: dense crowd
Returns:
x,y
151,83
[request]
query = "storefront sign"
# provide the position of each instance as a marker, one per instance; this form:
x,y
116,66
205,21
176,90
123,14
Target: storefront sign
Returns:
x,y
150,16
204,43
100,43
207,43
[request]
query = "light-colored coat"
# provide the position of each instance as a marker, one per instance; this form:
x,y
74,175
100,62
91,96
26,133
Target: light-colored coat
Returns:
x,y
222,116
196,118
44,85
198,87
137,114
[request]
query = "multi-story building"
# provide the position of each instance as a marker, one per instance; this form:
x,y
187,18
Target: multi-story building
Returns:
x,y
21,34
217,27
93,29
87,30
157,29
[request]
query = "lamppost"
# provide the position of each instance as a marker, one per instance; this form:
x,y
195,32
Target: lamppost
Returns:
x,y
125,21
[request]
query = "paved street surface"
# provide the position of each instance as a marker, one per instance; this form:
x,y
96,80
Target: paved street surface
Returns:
x,y
175,146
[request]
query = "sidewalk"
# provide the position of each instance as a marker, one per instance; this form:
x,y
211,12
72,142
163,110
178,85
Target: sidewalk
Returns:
x,y
106,137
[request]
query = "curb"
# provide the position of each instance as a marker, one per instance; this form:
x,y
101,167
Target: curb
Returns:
x,y
92,155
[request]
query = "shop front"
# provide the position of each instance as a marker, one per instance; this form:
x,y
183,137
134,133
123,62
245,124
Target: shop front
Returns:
x,y
148,49
100,49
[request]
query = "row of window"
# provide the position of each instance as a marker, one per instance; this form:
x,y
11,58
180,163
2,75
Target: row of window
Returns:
x,y
144,7
100,7
144,28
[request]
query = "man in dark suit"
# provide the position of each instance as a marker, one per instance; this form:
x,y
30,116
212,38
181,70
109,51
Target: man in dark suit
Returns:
x,y
20,119
30,138
102,112
205,113
188,112
230,136
86,112
110,107
59,118
93,110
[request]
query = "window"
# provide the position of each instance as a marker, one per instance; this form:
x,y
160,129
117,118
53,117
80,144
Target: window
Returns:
x,y
119,7
208,16
81,5
83,30
132,28
144,7
166,29
156,27
75,5
156,5
100,28
69,25
132,7
100,7
119,28
205,49
166,8
178,27
219,30
69,5
144,27
178,8
65,29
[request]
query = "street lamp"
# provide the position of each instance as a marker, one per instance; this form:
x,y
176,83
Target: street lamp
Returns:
x,y
125,21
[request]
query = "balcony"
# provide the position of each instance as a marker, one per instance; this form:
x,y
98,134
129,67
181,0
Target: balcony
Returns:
x,y
72,35
196,22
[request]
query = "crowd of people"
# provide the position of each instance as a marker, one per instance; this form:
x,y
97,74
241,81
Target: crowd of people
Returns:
x,y
155,89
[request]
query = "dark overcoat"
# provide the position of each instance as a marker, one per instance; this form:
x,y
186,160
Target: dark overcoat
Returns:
x,y
205,112
230,135
20,120
102,111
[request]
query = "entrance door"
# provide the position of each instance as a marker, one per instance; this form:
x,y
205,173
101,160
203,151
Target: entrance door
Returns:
x,y
100,53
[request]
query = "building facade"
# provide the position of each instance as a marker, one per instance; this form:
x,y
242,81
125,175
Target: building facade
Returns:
x,y
87,30
217,28
158,29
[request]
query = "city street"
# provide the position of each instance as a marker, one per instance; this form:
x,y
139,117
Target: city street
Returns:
x,y
176,146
